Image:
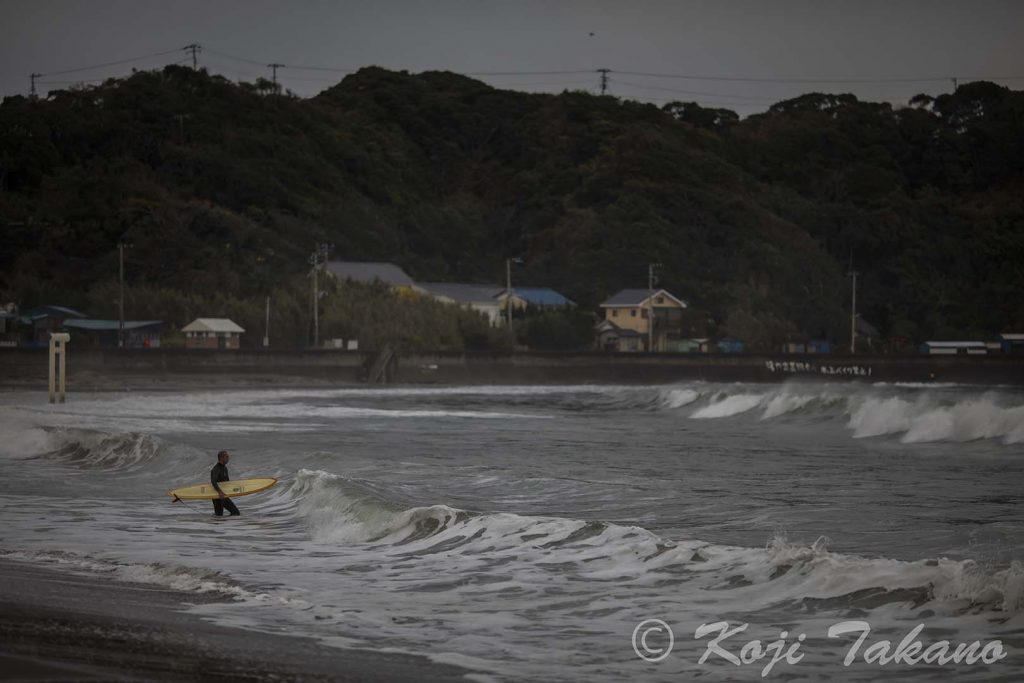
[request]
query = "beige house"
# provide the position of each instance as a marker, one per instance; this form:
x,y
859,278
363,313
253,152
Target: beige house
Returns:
x,y
628,315
212,333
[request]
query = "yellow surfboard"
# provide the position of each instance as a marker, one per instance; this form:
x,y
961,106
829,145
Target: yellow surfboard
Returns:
x,y
240,487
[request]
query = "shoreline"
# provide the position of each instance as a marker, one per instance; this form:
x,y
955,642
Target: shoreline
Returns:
x,y
60,625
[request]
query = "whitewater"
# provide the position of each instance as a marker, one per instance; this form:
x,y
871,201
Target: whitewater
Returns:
x,y
525,532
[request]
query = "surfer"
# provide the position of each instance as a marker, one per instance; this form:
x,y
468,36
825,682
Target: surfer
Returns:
x,y
218,474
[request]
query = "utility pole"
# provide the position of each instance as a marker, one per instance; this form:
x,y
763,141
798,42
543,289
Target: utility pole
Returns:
x,y
120,328
651,279
275,66
318,258
266,327
604,79
508,288
193,48
853,310
32,78
954,84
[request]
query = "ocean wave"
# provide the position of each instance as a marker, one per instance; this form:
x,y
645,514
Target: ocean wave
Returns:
x,y
677,398
340,511
188,579
96,450
836,580
925,420
728,405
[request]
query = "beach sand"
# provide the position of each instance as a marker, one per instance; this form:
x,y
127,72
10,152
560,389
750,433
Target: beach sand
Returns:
x,y
62,626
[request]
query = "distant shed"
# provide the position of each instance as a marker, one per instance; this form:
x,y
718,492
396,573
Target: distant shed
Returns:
x,y
212,333
1012,342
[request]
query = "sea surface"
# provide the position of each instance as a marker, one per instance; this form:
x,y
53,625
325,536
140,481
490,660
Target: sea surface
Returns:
x,y
525,532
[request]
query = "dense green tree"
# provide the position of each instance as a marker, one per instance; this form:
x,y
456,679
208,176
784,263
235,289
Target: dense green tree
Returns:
x,y
223,190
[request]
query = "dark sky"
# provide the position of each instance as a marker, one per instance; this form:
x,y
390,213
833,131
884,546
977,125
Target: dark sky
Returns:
x,y
875,41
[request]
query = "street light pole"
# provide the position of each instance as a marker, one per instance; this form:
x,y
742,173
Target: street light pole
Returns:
x,y
650,306
508,288
508,292
318,259
853,314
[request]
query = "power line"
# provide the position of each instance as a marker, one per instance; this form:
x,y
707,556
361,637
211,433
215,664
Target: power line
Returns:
x,y
236,58
321,68
930,79
100,66
527,73
693,92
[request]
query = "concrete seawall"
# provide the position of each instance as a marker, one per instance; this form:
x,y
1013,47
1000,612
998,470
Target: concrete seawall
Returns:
x,y
20,367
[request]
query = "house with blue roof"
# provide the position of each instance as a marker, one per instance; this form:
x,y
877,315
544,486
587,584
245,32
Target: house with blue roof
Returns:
x,y
540,297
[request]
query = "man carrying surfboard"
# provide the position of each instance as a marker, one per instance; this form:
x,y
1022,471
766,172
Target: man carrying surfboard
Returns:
x,y
218,474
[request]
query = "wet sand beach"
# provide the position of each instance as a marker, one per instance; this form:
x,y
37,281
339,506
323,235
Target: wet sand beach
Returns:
x,y
62,626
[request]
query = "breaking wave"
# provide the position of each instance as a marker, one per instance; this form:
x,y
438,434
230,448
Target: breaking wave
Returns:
x,y
96,450
925,420
918,414
337,510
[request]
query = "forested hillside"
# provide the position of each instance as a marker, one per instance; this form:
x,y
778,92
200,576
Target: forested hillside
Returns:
x,y
222,190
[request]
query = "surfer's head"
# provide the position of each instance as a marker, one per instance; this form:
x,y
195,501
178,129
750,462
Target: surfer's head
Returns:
x,y
223,457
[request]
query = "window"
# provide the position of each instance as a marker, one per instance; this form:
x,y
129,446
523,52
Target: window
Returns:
x,y
632,312
615,313
659,299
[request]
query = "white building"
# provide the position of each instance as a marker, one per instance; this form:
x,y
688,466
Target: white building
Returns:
x,y
212,333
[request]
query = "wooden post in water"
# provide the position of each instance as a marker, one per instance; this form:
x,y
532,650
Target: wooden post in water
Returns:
x,y
58,369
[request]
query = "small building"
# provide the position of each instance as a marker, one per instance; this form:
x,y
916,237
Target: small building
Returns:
x,y
630,309
369,272
138,334
212,333
954,348
611,337
480,298
40,322
1011,342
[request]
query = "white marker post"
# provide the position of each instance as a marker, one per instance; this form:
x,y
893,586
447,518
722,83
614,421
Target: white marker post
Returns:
x,y
58,346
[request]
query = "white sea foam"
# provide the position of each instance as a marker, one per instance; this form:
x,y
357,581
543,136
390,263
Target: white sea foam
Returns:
x,y
729,406
189,579
949,586
677,398
878,416
785,402
24,439
924,420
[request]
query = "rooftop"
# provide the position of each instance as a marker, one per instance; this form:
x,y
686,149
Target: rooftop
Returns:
x,y
109,325
212,325
370,272
637,297
464,293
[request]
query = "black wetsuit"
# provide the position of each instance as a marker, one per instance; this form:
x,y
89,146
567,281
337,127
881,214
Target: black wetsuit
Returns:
x,y
218,474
